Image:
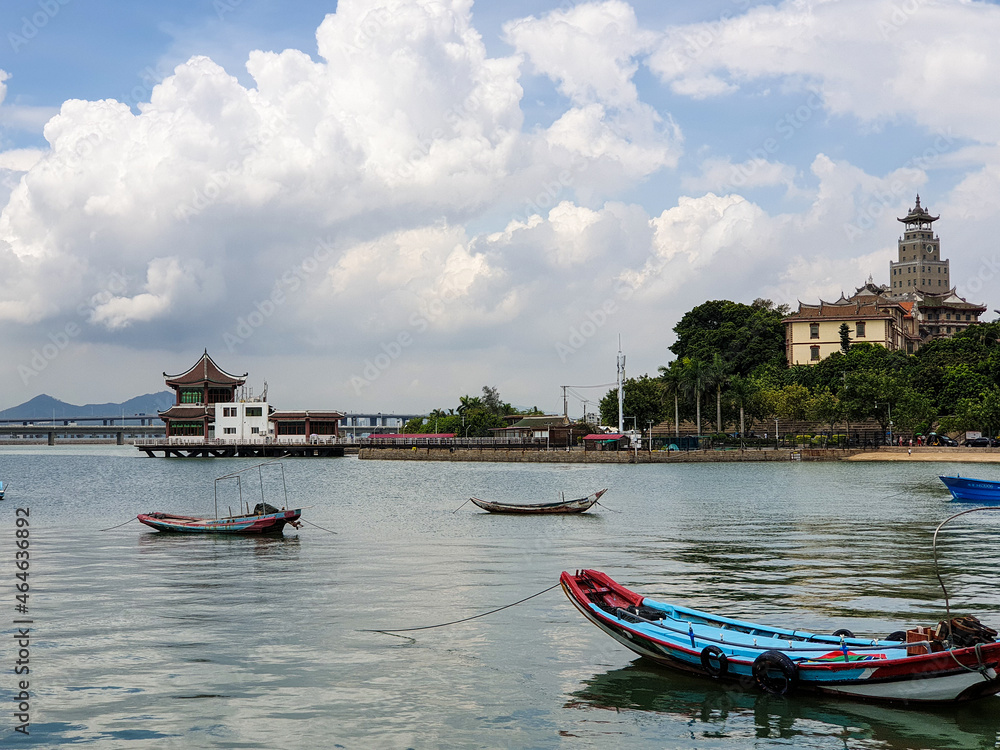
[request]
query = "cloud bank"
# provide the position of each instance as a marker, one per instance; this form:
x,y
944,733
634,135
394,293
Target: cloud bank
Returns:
x,y
385,188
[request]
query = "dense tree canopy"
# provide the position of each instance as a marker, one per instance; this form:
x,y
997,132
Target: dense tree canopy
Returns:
x,y
733,354
474,417
745,336
644,400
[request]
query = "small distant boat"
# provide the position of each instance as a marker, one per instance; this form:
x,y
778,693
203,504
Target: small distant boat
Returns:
x,y
3,489
956,661
263,519
559,506
967,489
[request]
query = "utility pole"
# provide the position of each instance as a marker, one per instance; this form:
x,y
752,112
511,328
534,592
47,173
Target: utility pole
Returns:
x,y
565,405
621,388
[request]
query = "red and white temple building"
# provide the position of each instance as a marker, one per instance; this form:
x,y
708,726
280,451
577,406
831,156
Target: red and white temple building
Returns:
x,y
211,406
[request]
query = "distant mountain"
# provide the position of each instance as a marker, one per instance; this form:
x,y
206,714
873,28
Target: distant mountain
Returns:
x,y
46,407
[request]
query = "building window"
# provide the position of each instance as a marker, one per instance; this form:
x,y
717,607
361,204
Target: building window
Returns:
x,y
255,411
859,330
190,397
215,395
228,430
291,428
192,429
255,430
909,347
814,330
814,353
947,316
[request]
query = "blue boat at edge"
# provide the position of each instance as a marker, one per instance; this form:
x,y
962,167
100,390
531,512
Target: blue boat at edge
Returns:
x,y
967,489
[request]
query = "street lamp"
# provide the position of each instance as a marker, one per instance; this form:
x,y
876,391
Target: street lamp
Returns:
x,y
776,433
650,423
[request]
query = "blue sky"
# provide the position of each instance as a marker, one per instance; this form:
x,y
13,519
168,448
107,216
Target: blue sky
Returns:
x,y
388,204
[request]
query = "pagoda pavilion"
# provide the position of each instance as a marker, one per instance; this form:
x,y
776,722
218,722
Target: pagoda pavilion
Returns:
x,y
198,389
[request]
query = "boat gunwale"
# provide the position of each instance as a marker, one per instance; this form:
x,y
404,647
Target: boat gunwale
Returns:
x,y
612,622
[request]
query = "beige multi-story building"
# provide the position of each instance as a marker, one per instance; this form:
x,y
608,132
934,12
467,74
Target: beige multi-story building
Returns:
x,y
813,333
918,305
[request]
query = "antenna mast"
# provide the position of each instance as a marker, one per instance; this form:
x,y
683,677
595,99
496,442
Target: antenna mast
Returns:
x,y
621,387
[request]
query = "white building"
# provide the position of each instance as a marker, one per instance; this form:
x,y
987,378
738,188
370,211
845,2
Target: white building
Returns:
x,y
241,421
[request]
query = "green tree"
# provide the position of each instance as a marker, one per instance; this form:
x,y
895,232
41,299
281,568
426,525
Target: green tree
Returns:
x,y
717,377
672,377
914,412
826,407
794,402
745,336
643,399
693,383
845,338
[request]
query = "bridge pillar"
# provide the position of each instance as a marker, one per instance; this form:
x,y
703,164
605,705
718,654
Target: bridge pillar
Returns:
x,y
52,437
121,437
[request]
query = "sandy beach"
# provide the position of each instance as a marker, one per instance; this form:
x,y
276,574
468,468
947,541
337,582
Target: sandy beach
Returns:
x,y
948,455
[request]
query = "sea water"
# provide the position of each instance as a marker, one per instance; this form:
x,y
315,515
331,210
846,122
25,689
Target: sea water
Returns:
x,y
140,639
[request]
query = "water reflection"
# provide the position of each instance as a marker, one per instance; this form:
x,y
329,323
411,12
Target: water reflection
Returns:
x,y
260,545
714,710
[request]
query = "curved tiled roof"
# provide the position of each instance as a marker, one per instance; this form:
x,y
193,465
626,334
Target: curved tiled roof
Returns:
x,y
205,372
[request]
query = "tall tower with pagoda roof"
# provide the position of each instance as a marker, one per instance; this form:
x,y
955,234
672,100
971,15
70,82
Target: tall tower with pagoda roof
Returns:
x,y
920,267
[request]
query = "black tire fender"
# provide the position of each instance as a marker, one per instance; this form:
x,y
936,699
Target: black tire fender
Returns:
x,y
897,635
843,632
717,668
775,673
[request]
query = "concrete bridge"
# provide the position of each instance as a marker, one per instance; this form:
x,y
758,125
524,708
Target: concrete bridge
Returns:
x,y
74,433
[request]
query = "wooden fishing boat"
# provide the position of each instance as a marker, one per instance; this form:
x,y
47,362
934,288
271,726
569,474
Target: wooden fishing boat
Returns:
x,y
264,523
966,489
957,661
559,506
262,519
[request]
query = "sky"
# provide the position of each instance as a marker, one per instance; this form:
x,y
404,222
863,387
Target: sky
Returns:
x,y
382,205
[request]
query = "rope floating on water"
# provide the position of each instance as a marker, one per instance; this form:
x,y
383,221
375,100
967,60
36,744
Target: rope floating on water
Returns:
x,y
119,525
460,507
392,631
302,520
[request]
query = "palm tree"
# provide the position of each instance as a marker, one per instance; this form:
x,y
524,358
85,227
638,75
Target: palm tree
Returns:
x,y
743,389
693,384
673,379
717,376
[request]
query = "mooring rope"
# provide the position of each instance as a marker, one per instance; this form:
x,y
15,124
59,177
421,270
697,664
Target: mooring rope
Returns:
x,y
316,525
607,508
947,605
119,525
391,631
461,506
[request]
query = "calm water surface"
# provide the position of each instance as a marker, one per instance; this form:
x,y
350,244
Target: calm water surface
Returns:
x,y
147,640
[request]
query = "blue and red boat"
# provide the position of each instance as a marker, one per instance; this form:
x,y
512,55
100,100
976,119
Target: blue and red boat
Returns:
x,y
956,661
966,489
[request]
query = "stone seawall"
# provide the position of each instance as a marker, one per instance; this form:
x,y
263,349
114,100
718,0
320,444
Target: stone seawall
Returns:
x,y
600,457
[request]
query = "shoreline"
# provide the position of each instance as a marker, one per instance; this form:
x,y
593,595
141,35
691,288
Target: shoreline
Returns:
x,y
920,454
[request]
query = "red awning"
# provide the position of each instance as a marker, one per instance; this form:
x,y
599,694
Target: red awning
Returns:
x,y
414,435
